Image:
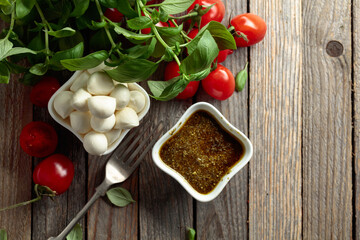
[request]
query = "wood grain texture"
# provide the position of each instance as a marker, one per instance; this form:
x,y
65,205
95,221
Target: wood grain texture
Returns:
x,y
50,216
15,164
327,159
227,216
356,116
275,123
166,210
106,221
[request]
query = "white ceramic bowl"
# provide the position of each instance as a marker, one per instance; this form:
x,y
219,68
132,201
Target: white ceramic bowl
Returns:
x,y
66,122
248,151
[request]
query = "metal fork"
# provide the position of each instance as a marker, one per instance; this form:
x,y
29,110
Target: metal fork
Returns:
x,y
121,164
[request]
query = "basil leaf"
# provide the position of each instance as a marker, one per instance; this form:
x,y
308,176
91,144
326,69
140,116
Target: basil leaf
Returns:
x,y
75,234
200,75
18,50
175,6
75,52
135,70
23,7
14,68
167,90
140,51
5,3
119,197
70,42
80,7
3,234
5,47
241,78
131,35
202,56
39,69
87,62
170,31
97,25
139,23
109,3
191,234
124,7
171,41
222,36
65,32
29,79
4,73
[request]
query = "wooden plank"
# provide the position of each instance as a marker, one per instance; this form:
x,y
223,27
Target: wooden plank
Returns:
x,y
15,164
50,217
327,158
356,117
227,216
275,123
106,221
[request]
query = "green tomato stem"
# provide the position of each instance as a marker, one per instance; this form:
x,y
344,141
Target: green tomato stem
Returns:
x,y
21,204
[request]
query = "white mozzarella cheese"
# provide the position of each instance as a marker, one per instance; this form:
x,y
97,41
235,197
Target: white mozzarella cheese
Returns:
x,y
95,143
137,101
126,118
122,96
62,103
80,121
102,106
100,84
113,135
102,124
80,82
79,100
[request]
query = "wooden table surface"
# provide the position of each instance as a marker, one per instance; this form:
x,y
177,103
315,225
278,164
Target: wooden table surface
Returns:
x,y
300,109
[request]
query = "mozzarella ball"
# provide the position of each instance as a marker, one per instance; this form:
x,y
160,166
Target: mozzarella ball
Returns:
x,y
80,121
79,100
102,124
62,103
100,84
137,101
102,106
99,68
122,96
126,118
113,135
80,81
95,143
116,83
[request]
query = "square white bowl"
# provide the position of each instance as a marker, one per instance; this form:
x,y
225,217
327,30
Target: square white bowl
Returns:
x,y
66,122
248,151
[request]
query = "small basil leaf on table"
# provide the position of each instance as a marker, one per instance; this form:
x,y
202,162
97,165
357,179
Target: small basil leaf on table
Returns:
x,y
139,23
75,234
119,196
23,7
65,32
191,234
4,73
89,61
134,70
39,69
202,56
3,234
175,6
241,78
75,52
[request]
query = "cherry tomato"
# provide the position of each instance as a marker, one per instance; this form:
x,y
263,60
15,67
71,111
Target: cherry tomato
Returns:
x,y
253,26
222,54
55,172
216,13
38,139
171,71
220,83
41,93
113,14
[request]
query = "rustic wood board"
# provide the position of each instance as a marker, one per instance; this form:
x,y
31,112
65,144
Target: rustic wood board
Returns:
x,y
356,116
275,123
227,216
15,164
326,142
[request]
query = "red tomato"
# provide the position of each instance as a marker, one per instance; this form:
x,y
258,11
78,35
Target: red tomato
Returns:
x,y
216,13
220,83
253,26
41,93
38,139
55,172
113,14
222,54
171,71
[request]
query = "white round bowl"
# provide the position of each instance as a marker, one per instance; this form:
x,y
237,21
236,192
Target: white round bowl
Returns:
x,y
66,122
248,151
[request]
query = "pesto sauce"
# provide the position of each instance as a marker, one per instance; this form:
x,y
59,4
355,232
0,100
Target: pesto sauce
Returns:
x,y
202,151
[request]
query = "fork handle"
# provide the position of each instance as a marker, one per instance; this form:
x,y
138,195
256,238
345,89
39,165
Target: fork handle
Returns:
x,y
100,191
